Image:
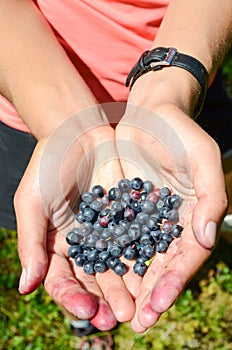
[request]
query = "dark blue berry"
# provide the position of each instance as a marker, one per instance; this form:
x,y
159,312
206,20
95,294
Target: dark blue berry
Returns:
x,y
87,197
177,230
80,259
140,268
135,205
120,268
89,214
100,266
92,255
148,186
112,261
123,240
74,250
124,185
134,231
83,206
98,191
88,267
101,244
164,192
136,183
130,252
115,250
80,218
73,237
161,246
114,194
96,205
166,237
104,255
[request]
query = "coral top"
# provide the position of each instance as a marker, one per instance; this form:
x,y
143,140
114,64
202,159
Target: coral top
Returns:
x,y
103,38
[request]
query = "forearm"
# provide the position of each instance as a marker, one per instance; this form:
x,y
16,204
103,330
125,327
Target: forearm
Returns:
x,y
35,73
201,29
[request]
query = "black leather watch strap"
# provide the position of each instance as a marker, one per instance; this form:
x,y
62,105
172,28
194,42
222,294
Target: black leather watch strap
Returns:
x,y
161,57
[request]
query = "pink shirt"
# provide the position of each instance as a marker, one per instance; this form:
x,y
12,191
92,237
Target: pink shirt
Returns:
x,y
103,38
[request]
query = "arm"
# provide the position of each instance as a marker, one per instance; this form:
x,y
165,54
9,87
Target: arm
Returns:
x,y
36,74
38,78
201,29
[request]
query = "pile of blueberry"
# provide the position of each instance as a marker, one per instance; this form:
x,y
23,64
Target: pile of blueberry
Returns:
x,y
133,220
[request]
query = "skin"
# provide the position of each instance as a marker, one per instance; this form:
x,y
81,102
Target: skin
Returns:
x,y
42,220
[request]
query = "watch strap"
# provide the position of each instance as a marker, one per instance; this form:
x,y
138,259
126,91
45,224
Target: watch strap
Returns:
x,y
162,57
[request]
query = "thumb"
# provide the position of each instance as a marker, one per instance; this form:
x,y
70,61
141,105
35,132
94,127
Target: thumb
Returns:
x,y
212,200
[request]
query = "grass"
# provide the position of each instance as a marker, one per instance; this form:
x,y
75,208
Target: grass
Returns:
x,y
200,319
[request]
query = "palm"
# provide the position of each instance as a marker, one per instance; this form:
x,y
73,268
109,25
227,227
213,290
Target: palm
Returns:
x,y
151,148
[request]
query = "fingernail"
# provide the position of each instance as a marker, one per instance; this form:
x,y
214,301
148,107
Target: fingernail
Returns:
x,y
210,233
22,282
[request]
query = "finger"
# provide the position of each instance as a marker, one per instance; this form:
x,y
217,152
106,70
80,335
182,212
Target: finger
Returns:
x,y
212,202
31,229
62,286
181,263
104,319
117,295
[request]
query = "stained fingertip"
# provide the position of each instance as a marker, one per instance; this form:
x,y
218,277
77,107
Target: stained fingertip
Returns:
x,y
104,319
148,317
81,304
32,277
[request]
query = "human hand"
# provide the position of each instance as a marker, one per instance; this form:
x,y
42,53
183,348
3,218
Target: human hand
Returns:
x,y
167,147
61,168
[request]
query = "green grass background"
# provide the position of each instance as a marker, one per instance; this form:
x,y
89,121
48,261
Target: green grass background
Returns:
x,y
200,319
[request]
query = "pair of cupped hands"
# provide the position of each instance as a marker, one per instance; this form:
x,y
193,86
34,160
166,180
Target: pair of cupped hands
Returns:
x,y
164,146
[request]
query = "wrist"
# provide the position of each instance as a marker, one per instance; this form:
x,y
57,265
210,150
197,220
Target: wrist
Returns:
x,y
172,85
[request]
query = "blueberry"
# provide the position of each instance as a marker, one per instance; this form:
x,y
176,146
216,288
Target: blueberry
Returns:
x,y
159,204
91,240
136,183
162,246
148,250
166,226
101,244
164,192
86,229
156,235
73,237
166,237
89,214
106,234
100,266
152,197
83,206
173,216
98,191
177,230
175,200
92,255
116,215
134,231
148,186
80,259
112,261
129,214
96,205
114,194
74,250
142,218
124,185
129,252
88,267
125,199
153,224
115,250
105,200
145,229
123,240
104,255
124,223
140,268
80,218
118,231
142,197
87,197
135,205
120,268
97,227
145,237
